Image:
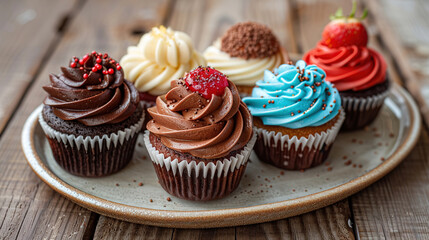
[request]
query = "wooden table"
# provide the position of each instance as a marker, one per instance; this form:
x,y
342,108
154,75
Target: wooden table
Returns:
x,y
39,36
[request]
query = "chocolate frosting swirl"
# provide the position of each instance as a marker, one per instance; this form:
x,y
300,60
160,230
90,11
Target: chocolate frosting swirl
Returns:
x,y
91,95
209,129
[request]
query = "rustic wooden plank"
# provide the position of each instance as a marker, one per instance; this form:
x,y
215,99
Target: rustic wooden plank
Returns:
x,y
206,234
397,205
29,209
28,29
331,222
403,27
210,19
109,228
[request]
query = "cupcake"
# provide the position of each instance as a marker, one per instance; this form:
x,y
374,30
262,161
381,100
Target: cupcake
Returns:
x,y
358,72
200,137
244,52
297,116
162,55
91,116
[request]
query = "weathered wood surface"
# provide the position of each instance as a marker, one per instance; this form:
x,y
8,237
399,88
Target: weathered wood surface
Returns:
x,y
397,206
404,28
29,33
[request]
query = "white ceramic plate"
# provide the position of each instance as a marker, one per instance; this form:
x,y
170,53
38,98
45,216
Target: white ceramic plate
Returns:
x,y
265,193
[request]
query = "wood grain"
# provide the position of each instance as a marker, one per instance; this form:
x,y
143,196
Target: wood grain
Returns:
x,y
29,30
397,205
327,223
210,19
109,228
209,234
403,27
29,209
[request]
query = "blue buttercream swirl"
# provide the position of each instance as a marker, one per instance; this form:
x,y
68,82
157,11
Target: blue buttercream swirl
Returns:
x,y
294,97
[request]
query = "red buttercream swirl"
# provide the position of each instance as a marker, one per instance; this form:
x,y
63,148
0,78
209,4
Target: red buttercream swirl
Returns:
x,y
93,91
349,68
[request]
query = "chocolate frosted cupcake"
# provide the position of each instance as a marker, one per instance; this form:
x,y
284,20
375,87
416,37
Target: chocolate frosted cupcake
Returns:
x,y
358,72
200,137
91,116
244,52
297,115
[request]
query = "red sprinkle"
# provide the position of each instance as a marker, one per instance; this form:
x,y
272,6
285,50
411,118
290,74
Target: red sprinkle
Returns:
x,y
118,67
73,64
111,71
98,60
94,69
85,75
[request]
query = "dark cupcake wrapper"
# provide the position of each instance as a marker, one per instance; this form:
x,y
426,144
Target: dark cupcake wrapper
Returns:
x,y
198,181
92,156
361,111
291,153
146,105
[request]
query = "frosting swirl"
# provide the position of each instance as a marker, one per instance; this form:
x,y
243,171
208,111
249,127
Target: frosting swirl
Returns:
x,y
209,129
245,72
349,68
92,90
294,97
162,55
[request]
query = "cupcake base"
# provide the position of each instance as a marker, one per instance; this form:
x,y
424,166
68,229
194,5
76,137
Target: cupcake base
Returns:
x,y
292,152
86,151
198,188
96,162
294,159
197,179
362,107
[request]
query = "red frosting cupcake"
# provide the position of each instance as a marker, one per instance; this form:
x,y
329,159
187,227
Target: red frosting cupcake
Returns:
x,y
358,72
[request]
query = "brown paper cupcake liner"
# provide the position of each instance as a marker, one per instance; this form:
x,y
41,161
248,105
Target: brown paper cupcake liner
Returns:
x,y
195,180
291,153
361,112
92,156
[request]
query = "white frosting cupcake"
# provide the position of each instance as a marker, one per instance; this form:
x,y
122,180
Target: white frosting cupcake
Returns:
x,y
162,55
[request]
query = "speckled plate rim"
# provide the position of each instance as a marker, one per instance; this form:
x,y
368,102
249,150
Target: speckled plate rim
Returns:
x,y
224,217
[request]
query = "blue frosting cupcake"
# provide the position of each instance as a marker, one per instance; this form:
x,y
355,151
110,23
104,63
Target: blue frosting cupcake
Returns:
x,y
297,115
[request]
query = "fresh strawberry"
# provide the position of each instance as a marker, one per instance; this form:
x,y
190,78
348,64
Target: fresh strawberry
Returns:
x,y
206,81
345,31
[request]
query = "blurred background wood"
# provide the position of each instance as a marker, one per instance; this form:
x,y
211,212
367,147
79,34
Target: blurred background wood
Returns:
x,y
36,36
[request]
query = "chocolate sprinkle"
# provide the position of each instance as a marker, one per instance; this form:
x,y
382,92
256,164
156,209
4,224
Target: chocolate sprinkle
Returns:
x,y
249,40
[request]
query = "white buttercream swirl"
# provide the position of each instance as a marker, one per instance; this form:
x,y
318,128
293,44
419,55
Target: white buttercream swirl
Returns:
x,y
162,55
240,71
